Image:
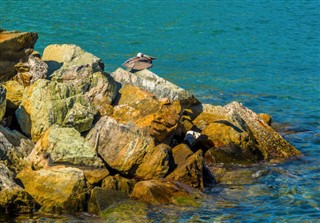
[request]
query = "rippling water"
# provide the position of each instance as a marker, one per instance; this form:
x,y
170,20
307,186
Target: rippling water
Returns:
x,y
264,54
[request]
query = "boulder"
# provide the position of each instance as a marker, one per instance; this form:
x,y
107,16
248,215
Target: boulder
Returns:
x,y
102,92
46,103
162,191
272,145
14,93
156,163
189,167
14,46
3,102
13,198
127,211
72,65
119,183
234,129
154,84
62,145
101,199
56,189
159,118
94,176
121,146
69,62
129,94
14,147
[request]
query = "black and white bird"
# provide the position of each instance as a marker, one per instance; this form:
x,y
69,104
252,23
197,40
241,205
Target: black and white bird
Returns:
x,y
139,62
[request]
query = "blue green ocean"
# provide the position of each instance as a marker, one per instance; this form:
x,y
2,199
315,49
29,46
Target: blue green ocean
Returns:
x,y
262,53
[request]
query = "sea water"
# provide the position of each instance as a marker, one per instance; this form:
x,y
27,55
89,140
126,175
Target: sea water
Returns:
x,y
264,54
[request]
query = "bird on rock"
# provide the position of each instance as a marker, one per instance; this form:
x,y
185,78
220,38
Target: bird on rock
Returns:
x,y
139,62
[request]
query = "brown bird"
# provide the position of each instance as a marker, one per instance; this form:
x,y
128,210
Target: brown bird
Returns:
x,y
140,62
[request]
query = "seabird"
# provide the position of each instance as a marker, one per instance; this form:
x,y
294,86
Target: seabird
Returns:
x,y
140,62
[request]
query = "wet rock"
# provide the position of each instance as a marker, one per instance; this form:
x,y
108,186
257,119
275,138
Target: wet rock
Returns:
x,y
154,84
127,211
14,46
156,163
121,146
119,183
46,103
13,198
189,168
166,192
56,189
229,154
60,145
14,94
101,199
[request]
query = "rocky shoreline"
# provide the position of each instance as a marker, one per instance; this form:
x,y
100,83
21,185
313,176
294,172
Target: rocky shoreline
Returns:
x,y
75,138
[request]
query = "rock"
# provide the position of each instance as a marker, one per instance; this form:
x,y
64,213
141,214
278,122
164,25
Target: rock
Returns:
x,y
130,94
3,102
266,118
13,198
14,46
228,155
69,62
46,103
234,127
14,147
118,183
121,146
154,84
270,143
237,175
94,176
158,118
102,92
161,191
189,168
61,145
72,65
126,211
101,199
14,94
56,189
156,163
31,70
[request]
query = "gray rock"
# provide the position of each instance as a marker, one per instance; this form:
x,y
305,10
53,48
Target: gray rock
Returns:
x,y
154,84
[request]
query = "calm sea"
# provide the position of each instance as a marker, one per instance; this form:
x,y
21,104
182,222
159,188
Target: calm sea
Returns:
x,y
264,54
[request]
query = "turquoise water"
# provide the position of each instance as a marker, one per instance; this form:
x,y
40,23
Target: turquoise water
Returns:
x,y
264,54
